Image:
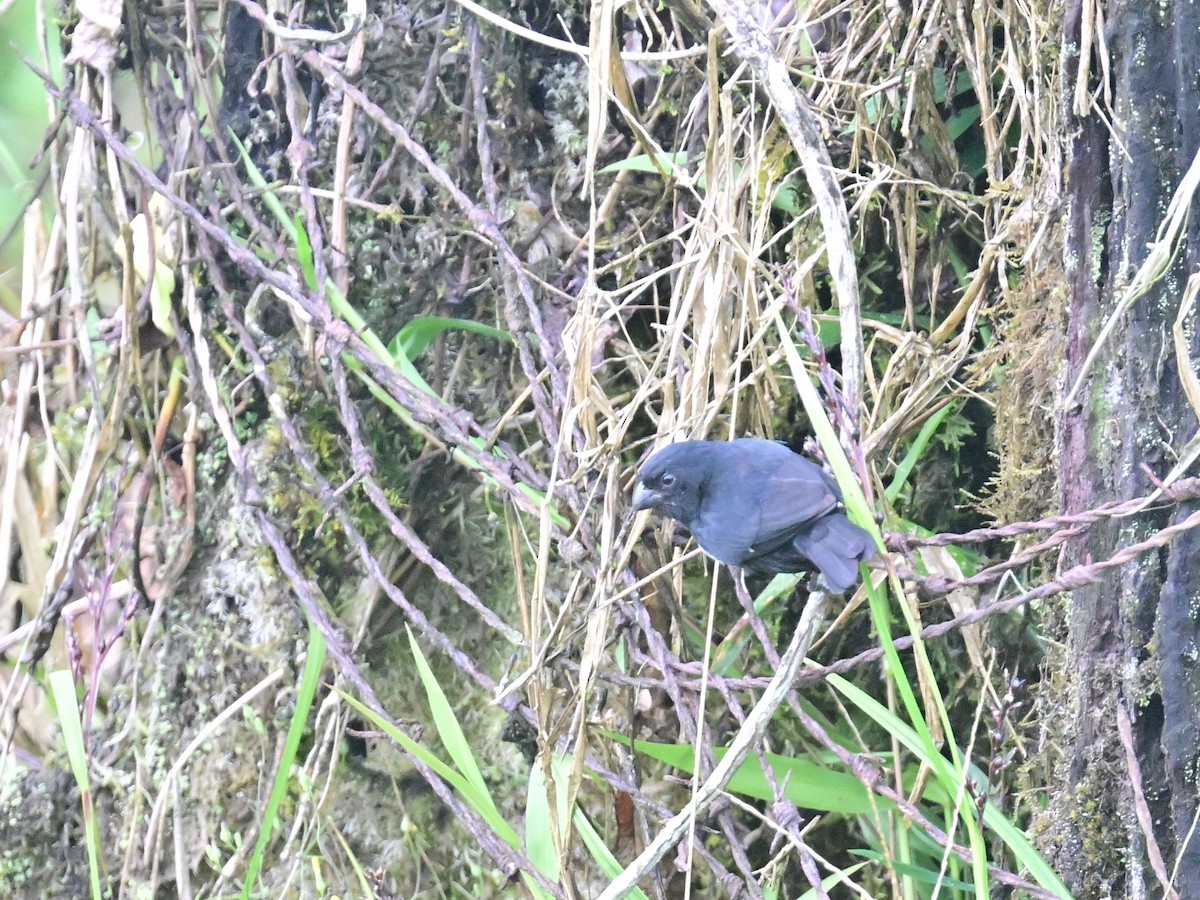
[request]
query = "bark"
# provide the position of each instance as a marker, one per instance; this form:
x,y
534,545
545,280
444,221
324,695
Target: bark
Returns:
x,y
1132,639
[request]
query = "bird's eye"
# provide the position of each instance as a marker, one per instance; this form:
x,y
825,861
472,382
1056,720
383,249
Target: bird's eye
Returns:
x,y
667,480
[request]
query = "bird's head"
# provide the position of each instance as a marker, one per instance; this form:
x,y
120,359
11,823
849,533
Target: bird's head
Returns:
x,y
672,480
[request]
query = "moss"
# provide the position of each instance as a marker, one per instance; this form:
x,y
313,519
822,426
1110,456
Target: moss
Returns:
x,y
1029,348
1082,826
41,834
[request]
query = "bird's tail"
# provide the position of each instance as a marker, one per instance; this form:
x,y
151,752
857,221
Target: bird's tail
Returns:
x,y
836,546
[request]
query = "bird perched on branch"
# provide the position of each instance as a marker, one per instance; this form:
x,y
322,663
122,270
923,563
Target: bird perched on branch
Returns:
x,y
754,504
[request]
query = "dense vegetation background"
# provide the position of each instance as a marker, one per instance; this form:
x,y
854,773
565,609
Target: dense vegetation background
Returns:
x,y
332,337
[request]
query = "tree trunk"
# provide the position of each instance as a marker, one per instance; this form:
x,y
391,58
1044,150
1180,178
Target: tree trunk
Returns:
x,y
1132,637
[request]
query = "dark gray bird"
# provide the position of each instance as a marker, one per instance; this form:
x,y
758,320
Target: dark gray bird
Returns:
x,y
755,504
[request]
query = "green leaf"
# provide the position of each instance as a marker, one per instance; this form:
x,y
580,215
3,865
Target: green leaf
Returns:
x,y
269,198
539,832
729,651
959,123
916,451
660,162
451,733
528,490
66,704
304,253
809,784
950,776
539,824
413,339
842,876
787,198
339,305
160,298
481,804
917,873
314,661
610,867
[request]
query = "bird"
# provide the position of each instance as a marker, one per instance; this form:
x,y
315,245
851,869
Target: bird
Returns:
x,y
755,504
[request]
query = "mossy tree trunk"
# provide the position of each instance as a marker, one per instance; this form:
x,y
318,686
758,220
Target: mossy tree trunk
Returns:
x,y
1130,799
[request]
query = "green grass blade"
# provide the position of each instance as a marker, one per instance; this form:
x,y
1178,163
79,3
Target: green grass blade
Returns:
x,y
310,679
951,777
418,333
481,804
62,689
809,784
916,451
610,867
670,163
540,825
449,730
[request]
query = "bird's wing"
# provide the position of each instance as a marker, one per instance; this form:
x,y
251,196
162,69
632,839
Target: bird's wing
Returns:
x,y
794,494
726,524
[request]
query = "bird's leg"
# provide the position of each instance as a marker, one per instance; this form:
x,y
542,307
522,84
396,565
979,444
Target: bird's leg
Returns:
x,y
760,630
743,593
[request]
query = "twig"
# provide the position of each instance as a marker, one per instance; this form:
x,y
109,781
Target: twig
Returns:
x,y
747,737
1070,580
457,426
794,109
1184,489
1141,810
485,224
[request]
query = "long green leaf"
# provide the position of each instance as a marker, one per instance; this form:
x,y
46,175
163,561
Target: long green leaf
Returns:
x,y
482,805
449,730
310,679
842,876
918,873
916,451
809,784
419,332
540,825
951,779
539,832
62,690
861,512
610,867
669,162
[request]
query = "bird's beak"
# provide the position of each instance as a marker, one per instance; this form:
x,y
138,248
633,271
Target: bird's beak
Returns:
x,y
644,498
